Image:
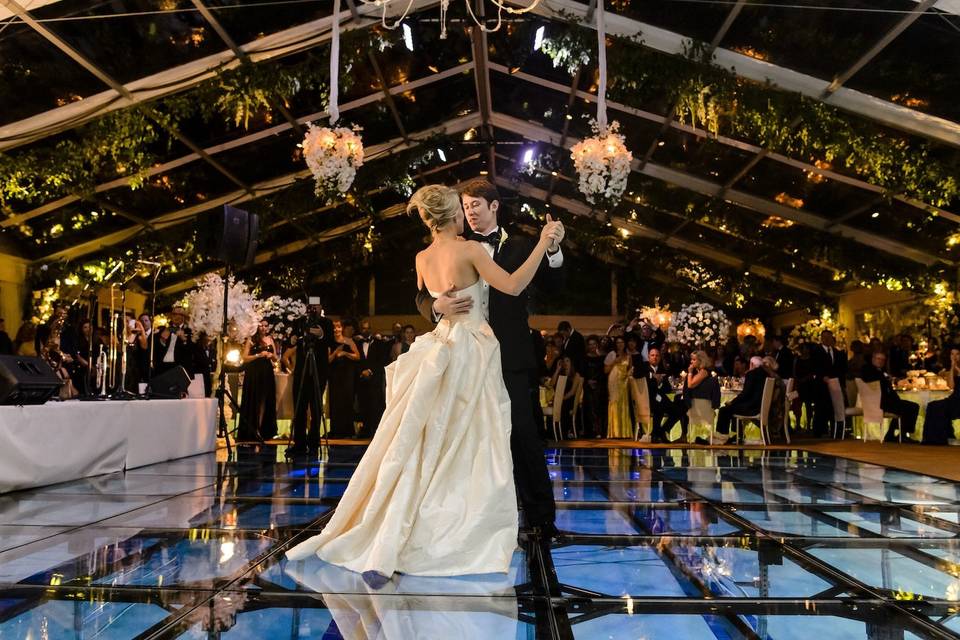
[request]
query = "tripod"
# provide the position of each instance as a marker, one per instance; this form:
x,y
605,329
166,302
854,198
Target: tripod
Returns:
x,y
222,393
310,372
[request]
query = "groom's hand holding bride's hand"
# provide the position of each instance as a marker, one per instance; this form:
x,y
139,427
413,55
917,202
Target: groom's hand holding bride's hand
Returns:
x,y
556,231
449,303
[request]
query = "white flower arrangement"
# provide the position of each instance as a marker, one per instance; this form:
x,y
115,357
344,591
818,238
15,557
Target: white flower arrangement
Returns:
x,y
205,308
810,330
602,162
333,156
699,325
660,316
282,314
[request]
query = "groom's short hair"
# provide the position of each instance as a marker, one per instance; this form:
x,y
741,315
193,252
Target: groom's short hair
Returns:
x,y
480,188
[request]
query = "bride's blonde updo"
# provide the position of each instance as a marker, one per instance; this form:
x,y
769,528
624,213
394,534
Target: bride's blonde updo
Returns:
x,y
436,204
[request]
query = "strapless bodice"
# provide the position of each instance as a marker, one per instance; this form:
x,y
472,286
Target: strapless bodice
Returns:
x,y
476,312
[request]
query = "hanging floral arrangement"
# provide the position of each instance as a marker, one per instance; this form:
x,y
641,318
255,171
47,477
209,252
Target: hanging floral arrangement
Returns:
x,y
660,316
751,327
333,157
602,162
699,325
205,308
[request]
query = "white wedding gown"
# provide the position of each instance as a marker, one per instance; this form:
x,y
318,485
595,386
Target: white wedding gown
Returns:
x,y
434,493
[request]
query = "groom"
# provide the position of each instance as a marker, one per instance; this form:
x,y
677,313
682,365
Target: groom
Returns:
x,y
507,316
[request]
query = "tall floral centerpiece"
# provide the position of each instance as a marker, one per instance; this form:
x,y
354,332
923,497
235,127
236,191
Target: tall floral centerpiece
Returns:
x,y
205,308
660,316
699,325
810,330
602,161
282,314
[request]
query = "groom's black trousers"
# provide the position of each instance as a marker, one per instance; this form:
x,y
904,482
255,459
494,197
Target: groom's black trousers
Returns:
x,y
529,464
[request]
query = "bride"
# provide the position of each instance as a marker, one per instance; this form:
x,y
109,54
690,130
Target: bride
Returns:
x,y
434,493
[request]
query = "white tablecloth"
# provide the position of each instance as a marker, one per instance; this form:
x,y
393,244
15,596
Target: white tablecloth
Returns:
x,y
61,441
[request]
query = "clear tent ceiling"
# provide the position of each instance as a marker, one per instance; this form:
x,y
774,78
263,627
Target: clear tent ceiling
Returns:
x,y
731,201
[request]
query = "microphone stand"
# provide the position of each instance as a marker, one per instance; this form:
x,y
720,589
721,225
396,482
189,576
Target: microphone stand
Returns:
x,y
120,390
153,314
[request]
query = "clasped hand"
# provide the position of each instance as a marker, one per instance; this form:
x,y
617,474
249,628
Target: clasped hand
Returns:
x,y
449,303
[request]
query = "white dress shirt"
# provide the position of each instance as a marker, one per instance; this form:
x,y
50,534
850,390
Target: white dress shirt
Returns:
x,y
554,260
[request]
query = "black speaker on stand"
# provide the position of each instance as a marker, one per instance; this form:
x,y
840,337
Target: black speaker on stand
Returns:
x,y
229,236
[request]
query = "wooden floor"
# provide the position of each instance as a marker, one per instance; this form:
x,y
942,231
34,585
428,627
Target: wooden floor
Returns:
x,y
943,462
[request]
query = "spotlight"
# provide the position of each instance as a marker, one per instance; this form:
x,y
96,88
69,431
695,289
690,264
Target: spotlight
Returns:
x,y
442,155
407,36
875,214
232,357
538,38
528,156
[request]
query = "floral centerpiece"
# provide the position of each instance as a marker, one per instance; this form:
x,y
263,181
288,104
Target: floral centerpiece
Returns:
x,y
333,157
659,316
810,330
282,314
602,162
205,308
699,325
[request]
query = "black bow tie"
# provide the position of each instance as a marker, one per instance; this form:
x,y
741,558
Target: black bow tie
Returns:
x,y
493,239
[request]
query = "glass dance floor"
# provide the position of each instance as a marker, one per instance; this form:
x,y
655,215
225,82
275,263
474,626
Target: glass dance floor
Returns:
x,y
662,544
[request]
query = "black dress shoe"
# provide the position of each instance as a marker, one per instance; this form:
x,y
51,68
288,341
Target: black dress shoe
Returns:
x,y
296,450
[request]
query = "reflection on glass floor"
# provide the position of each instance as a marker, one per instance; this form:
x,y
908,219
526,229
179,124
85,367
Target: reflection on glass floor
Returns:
x,y
657,544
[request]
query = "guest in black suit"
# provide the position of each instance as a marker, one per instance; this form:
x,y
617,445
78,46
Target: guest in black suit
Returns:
x,y
650,337
748,401
508,319
372,381
172,344
574,346
666,412
783,356
316,336
890,402
829,362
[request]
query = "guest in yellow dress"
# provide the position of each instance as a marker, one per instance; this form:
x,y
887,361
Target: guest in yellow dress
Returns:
x,y
618,368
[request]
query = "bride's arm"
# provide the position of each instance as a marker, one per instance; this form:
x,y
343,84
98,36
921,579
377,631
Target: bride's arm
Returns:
x,y
511,283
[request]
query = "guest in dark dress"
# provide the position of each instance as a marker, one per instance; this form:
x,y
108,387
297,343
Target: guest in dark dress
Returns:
x,y
343,374
258,402
594,391
938,425
699,383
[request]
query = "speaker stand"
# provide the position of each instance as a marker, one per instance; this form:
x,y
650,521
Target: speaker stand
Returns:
x,y
222,392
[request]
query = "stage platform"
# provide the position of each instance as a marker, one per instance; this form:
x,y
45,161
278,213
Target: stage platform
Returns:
x,y
658,544
61,441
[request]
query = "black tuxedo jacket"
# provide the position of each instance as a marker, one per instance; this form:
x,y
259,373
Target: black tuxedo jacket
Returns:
x,y
785,359
644,370
824,367
508,314
376,358
576,350
183,354
748,401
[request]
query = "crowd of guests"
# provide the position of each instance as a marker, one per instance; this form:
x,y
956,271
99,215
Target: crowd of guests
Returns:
x,y
598,369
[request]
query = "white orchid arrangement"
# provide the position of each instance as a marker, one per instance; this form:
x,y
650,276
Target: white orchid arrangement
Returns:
x,y
333,157
602,162
699,325
282,314
810,330
205,308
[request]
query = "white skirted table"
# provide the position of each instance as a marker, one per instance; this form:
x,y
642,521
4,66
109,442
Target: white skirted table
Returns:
x,y
61,441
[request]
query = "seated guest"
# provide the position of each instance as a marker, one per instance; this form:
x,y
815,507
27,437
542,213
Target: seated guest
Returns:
x,y
551,359
931,359
700,383
890,402
858,358
666,412
747,402
258,400
938,424
595,391
570,391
